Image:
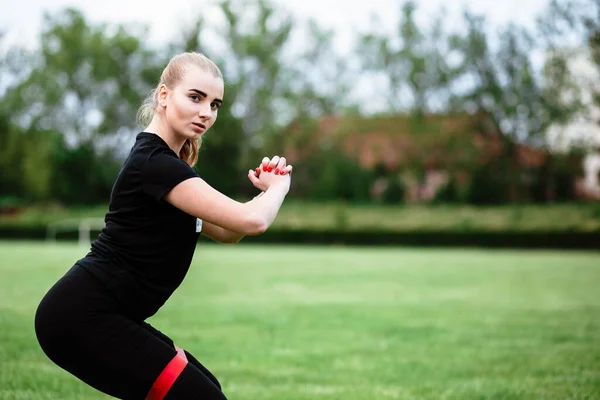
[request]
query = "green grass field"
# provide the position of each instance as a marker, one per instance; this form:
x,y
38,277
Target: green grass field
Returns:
x,y
298,323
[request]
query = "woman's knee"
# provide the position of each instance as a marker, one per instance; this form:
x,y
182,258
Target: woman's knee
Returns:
x,y
194,385
202,368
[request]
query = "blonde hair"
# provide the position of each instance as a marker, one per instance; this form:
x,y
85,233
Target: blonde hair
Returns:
x,y
171,75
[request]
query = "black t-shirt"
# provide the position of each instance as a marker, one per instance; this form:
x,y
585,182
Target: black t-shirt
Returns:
x,y
147,245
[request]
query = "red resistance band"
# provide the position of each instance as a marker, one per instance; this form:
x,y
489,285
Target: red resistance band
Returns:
x,y
168,376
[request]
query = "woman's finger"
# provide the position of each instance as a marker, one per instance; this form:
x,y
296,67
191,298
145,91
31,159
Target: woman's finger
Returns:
x,y
265,163
287,170
253,177
280,165
273,163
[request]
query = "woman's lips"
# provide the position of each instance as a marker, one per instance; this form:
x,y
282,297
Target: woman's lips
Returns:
x,y
199,126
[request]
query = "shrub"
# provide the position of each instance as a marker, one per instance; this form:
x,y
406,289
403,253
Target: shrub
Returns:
x,y
395,192
331,175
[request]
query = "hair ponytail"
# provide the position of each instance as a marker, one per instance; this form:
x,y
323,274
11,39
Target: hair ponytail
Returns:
x,y
189,151
146,111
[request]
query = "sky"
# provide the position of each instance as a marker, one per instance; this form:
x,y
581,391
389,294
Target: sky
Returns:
x,y
21,19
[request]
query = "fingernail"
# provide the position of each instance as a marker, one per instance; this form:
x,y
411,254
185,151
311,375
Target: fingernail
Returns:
x,y
264,168
257,171
270,168
277,171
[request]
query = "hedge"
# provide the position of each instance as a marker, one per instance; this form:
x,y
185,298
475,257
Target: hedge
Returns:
x,y
486,239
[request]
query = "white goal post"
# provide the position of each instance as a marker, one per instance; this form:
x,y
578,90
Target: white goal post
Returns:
x,y
83,226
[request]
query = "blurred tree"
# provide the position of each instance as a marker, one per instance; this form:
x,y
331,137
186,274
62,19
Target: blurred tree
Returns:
x,y
75,98
84,83
570,30
319,85
505,87
320,79
414,62
27,170
475,73
571,23
85,80
255,40
503,81
10,156
96,172
561,92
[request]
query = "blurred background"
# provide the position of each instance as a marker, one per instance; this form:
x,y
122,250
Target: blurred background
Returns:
x,y
465,126
400,116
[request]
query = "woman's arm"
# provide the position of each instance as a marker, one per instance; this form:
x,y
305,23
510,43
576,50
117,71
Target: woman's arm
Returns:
x,y
220,234
196,197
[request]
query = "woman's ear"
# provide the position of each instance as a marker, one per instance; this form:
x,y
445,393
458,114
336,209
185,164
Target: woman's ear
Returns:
x,y
162,95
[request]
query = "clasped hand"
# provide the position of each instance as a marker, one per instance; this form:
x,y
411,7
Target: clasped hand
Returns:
x,y
271,172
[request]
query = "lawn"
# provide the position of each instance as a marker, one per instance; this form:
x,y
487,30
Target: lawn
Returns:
x,y
298,322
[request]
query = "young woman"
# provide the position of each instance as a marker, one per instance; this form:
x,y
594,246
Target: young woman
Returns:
x,y
91,322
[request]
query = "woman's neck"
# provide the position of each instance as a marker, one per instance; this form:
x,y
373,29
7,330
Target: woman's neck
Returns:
x,y
158,127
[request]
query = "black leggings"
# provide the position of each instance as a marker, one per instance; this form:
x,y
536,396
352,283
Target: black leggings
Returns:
x,y
80,328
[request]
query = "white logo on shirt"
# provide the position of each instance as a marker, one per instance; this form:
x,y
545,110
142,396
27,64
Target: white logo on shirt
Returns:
x,y
198,225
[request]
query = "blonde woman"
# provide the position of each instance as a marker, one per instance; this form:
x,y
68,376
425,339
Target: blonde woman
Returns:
x,y
92,321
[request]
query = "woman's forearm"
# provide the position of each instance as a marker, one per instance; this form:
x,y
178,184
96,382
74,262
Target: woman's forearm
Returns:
x,y
266,205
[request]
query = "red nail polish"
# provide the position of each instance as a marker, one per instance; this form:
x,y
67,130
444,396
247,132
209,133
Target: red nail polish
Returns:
x,y
257,172
284,172
264,168
277,171
270,169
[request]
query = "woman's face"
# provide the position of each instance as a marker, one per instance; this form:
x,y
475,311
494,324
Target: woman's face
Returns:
x,y
191,106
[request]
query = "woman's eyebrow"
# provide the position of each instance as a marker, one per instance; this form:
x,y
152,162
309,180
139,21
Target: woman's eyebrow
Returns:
x,y
201,93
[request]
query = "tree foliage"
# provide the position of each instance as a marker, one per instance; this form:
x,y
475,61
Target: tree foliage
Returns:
x,y
67,110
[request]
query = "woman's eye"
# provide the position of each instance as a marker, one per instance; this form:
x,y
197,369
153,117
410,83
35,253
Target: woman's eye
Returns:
x,y
194,97
214,106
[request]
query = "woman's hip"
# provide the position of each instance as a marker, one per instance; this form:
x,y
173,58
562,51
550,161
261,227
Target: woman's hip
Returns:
x,y
70,307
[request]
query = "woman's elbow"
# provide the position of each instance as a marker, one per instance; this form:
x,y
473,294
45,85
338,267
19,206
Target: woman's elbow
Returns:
x,y
255,225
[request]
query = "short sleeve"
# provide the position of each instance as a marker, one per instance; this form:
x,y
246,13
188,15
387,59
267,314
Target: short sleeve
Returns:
x,y
162,172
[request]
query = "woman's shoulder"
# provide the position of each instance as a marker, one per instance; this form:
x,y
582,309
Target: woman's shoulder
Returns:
x,y
147,146
149,140
151,156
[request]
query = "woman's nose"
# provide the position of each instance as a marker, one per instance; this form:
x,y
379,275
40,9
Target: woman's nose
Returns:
x,y
205,110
